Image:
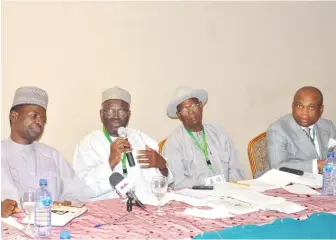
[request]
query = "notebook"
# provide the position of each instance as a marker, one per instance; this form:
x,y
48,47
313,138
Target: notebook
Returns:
x,y
61,215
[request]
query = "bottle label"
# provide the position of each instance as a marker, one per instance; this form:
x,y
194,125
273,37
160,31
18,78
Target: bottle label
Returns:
x,y
46,201
328,168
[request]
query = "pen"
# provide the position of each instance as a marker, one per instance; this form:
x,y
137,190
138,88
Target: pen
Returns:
x,y
243,184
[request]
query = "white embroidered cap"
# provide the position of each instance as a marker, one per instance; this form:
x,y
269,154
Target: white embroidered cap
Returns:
x,y
30,95
116,93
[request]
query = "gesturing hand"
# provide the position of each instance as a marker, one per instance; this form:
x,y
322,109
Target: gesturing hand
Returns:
x,y
150,158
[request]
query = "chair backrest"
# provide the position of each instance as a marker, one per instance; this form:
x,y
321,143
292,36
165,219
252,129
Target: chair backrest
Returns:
x,y
161,145
257,153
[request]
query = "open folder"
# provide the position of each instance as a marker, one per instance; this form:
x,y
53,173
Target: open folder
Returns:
x,y
61,215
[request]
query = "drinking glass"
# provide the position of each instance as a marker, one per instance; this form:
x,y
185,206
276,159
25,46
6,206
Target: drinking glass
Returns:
x,y
159,186
28,206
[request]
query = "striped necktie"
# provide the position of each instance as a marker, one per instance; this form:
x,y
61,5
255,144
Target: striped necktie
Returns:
x,y
307,132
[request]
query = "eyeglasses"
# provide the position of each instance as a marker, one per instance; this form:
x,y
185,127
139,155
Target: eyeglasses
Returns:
x,y
192,108
113,112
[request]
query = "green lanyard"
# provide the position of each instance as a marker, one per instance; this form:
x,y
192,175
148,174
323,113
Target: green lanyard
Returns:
x,y
203,148
123,159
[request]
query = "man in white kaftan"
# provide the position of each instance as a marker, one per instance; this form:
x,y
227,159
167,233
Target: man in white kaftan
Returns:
x,y
24,161
101,152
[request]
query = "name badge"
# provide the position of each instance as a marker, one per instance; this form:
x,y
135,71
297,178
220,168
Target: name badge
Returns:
x,y
217,179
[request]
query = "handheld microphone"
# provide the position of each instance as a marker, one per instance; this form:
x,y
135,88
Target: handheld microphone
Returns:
x,y
124,188
122,132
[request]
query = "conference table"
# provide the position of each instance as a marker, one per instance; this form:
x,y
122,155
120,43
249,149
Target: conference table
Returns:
x,y
143,224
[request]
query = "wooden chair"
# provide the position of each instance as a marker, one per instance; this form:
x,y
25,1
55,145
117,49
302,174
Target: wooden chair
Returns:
x,y
257,153
161,145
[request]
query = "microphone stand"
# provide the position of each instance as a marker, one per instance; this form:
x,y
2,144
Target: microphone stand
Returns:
x,y
129,205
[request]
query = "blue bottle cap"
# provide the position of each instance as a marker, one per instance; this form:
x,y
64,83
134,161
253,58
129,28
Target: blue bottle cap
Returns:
x,y
65,234
331,154
43,182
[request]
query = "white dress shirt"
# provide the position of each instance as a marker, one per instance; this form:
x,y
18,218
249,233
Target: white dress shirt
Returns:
x,y
313,135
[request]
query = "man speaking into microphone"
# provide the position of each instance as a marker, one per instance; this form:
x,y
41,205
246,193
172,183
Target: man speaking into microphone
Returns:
x,y
103,151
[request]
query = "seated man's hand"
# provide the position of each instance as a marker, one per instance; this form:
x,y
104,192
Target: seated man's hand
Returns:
x,y
64,203
150,158
8,207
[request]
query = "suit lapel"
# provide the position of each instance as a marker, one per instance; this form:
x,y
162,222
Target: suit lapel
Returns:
x,y
323,139
301,140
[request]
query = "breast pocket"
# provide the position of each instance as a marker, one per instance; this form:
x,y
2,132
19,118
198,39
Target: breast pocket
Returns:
x,y
47,167
190,168
225,164
224,157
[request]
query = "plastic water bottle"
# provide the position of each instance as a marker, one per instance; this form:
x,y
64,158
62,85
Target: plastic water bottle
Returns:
x,y
65,234
329,175
43,204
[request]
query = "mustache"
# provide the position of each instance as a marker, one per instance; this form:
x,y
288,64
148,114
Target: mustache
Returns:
x,y
34,125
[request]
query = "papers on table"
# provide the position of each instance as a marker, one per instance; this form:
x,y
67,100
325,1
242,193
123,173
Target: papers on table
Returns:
x,y
233,206
310,179
11,221
61,220
193,197
300,189
285,207
278,179
245,194
228,198
258,185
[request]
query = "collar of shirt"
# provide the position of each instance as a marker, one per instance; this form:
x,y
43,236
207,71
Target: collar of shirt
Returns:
x,y
311,127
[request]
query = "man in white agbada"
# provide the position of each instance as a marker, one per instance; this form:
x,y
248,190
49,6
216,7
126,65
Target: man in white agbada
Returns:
x,y
101,152
198,150
24,161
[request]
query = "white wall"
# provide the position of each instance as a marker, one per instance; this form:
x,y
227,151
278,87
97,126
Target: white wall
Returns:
x,y
251,57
